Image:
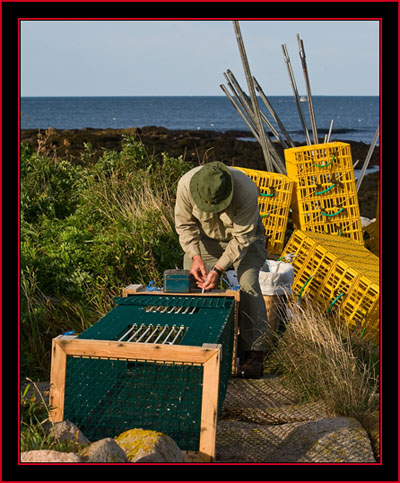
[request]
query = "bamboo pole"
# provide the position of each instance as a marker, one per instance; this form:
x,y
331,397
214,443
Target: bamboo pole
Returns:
x,y
273,112
238,92
256,109
276,159
296,93
307,81
249,125
245,102
367,159
241,97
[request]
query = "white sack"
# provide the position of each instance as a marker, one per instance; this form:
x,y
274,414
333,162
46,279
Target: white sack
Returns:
x,y
275,278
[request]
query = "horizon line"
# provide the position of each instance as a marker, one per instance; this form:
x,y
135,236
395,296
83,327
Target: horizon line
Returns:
x,y
199,95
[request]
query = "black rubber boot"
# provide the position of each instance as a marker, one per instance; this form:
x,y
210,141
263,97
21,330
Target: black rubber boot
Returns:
x,y
253,365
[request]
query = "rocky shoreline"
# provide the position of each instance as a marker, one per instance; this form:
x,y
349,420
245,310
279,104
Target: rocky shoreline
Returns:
x,y
234,148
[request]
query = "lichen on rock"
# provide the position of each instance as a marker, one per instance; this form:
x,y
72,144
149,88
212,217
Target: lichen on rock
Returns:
x,y
146,446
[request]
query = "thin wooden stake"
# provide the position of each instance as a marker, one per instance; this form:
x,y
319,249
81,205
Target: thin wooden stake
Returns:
x,y
256,108
273,112
328,136
307,81
249,125
296,93
244,100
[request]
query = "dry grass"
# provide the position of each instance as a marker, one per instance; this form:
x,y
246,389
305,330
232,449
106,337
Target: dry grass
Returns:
x,y
321,359
126,201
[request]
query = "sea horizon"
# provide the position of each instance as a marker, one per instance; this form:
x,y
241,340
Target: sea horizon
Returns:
x,y
356,117
197,95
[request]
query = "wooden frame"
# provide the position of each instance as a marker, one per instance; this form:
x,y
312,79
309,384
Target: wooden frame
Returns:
x,y
140,289
209,356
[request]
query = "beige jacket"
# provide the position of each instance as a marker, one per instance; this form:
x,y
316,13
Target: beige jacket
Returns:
x,y
240,224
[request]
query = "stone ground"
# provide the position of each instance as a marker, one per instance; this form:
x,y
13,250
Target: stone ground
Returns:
x,y
262,421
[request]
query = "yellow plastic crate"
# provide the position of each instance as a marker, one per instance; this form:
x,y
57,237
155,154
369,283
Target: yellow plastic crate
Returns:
x,y
373,333
334,246
275,195
340,275
325,195
359,308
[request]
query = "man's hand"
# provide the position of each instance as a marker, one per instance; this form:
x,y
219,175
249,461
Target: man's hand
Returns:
x,y
211,281
198,270
203,280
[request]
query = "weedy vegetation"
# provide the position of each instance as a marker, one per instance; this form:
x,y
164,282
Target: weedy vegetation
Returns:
x,y
90,227
35,430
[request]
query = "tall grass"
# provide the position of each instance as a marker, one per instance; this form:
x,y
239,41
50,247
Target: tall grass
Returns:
x,y
36,428
320,358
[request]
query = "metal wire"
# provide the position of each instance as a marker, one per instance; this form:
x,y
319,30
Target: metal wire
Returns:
x,y
155,334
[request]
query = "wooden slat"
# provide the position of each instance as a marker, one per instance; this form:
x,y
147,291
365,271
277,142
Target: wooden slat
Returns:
x,y
135,350
57,382
209,406
141,290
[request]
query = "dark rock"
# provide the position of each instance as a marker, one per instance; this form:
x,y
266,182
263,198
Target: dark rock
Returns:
x,y
194,145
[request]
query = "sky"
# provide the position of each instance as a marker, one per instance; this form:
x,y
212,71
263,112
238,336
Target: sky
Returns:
x,y
189,57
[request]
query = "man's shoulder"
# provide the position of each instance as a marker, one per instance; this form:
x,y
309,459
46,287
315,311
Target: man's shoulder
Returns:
x,y
241,180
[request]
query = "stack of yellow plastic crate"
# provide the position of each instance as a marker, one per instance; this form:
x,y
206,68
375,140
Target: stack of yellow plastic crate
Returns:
x,y
340,275
331,264
330,261
325,196
275,195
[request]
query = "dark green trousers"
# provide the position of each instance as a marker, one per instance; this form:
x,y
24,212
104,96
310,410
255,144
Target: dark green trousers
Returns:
x,y
252,311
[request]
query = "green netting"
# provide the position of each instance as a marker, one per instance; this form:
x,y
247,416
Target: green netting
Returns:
x,y
105,397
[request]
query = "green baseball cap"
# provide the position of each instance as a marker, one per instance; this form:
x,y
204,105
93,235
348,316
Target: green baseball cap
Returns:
x,y
212,187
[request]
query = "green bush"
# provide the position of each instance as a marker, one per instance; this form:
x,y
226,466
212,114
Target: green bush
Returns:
x,y
87,231
49,187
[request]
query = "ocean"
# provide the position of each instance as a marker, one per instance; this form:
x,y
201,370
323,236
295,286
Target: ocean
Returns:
x,y
355,117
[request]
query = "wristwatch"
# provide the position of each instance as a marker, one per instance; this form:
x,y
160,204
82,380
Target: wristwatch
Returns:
x,y
217,270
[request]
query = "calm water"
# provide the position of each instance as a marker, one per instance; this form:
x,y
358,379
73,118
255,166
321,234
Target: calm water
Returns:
x,y
355,117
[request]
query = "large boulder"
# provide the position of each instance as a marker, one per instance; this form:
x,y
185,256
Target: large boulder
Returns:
x,y
104,451
66,431
145,446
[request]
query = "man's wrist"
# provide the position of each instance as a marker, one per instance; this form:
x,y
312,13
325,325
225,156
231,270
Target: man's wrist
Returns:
x,y
217,270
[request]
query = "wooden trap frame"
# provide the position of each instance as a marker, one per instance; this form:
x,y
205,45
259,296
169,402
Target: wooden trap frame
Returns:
x,y
208,356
